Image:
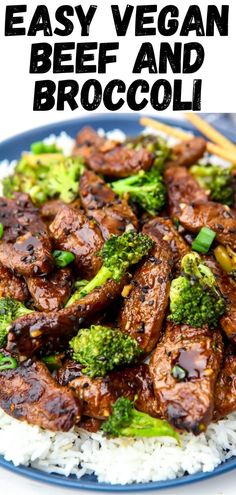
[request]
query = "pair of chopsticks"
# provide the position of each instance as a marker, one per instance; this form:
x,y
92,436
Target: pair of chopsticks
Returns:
x,y
221,146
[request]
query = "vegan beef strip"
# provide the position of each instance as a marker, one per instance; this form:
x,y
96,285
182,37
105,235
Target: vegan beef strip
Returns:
x,y
187,152
227,288
12,285
110,158
143,310
184,368
52,292
182,189
90,424
19,216
53,330
97,395
50,209
112,214
30,255
87,142
25,246
216,216
29,393
164,228
225,392
74,232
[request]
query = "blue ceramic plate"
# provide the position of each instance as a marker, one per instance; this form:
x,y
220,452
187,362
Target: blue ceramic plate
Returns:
x,y
11,149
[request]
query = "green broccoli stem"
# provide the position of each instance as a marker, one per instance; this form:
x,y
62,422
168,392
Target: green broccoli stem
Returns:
x,y
118,254
22,310
126,421
102,276
143,425
123,185
53,362
124,188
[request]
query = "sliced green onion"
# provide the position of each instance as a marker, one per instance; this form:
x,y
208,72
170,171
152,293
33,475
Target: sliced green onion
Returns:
x,y
178,373
53,362
39,147
204,240
63,258
1,230
176,222
7,363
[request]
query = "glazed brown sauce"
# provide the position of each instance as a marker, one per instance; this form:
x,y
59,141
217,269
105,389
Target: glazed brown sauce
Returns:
x,y
23,243
194,361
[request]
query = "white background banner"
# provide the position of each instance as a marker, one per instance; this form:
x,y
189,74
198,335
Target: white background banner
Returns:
x,y
17,84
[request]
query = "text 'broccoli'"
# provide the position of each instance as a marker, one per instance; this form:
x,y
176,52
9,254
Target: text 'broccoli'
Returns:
x,y
101,349
126,421
194,296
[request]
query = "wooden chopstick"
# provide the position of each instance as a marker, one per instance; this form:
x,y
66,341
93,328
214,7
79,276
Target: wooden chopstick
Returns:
x,y
209,131
159,126
226,154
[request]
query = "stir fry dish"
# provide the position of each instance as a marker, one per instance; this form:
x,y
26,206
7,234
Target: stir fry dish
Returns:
x,y
118,287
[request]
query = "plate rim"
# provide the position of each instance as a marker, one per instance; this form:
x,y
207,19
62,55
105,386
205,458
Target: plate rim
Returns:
x,y
84,482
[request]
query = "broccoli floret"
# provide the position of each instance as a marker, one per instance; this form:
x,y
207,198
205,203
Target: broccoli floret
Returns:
x,y
101,349
118,254
126,421
217,180
44,177
194,297
10,310
29,177
63,179
145,188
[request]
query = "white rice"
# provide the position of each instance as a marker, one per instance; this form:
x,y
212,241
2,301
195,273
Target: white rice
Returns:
x,y
6,168
122,460
113,461
114,135
63,142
